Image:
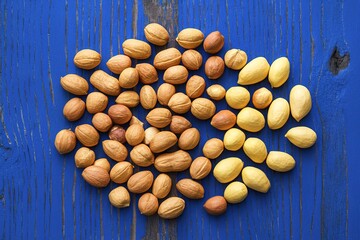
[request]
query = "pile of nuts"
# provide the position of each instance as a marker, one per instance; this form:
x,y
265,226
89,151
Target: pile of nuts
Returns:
x,y
166,143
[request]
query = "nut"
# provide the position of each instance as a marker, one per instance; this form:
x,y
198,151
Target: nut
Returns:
x,y
147,73
117,133
165,92
142,156
150,132
84,157
163,141
134,134
65,141
216,205
189,139
203,108
216,92
250,119
135,120
148,204
214,67
162,186
96,176
167,58
105,83
195,86
200,168
255,149
262,98
223,120
118,63
103,163
213,42
87,59
148,97
173,162
302,137
213,148
191,59
120,114
137,49
278,113
253,72
121,172
255,179
190,189
87,135
96,102
156,34
119,197
228,169
128,98
280,161
234,139
140,182
237,97
171,208
74,84
190,38
179,103
279,72
235,192
115,150
74,109
235,59
300,102
176,75
159,117
129,78
179,124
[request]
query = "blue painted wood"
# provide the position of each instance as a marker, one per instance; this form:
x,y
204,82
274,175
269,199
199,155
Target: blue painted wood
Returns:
x,y
42,194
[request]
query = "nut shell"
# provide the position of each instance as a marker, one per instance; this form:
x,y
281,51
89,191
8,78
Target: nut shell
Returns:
x,y
96,102
147,73
118,63
115,150
96,176
121,172
200,168
105,83
148,204
167,58
176,75
87,135
103,163
163,141
129,78
179,103
171,208
162,185
203,108
119,114
119,197
191,59
65,141
87,59
235,59
216,92
140,182
148,97
142,156
190,38
195,86
165,92
189,139
156,34
190,188
179,124
136,49
213,148
74,109
135,134
159,117
150,132
173,162
74,84
84,157
128,98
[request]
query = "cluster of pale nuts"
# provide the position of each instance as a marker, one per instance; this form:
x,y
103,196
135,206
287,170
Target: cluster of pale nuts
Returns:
x,y
150,146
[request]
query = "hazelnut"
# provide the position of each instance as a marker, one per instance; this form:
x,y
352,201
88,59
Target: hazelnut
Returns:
x,y
117,133
148,204
214,67
120,114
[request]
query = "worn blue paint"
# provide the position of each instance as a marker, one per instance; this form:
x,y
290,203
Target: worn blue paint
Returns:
x,y
42,194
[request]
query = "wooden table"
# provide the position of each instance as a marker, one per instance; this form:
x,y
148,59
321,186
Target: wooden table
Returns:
x,y
42,193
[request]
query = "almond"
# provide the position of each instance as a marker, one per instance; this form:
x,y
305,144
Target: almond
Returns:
x,y
250,119
279,72
176,75
302,137
129,78
179,124
74,109
118,63
190,189
156,34
148,97
300,102
105,83
120,114
142,156
165,92
162,186
163,141
148,204
200,168
121,172
253,72
96,176
147,73
278,113
189,139
75,84
223,120
255,179
128,98
203,108
171,208
115,150
216,205
87,59
87,135
96,102
179,103
191,59
213,42
280,161
167,58
159,117
190,38
137,49
140,182
173,162
195,86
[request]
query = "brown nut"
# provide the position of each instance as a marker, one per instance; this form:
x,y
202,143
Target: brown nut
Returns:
x,y
214,42
148,97
87,135
223,120
156,34
121,172
214,67
167,58
262,98
165,92
120,114
190,188
96,176
176,75
142,156
179,124
102,122
65,141
119,197
118,63
117,133
147,73
87,59
216,92
140,182
150,132
173,162
163,141
171,208
179,103
162,185
190,38
103,163
213,148
200,168
195,86
105,83
128,98
191,59
129,78
136,49
135,134
159,117
203,108
148,204
74,84
74,109
235,59
115,150
84,157
189,139
96,102
216,205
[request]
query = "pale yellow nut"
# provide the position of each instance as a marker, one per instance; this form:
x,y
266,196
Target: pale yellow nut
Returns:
x,y
302,137
255,149
250,119
278,114
234,139
237,97
279,72
300,102
235,59
235,192
228,169
253,72
280,161
255,179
